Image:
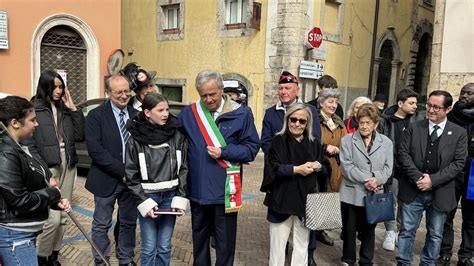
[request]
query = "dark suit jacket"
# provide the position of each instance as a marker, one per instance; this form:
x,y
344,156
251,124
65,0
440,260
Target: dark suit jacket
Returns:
x,y
452,152
104,144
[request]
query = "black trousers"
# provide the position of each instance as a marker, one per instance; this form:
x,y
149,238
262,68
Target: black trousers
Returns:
x,y
212,220
467,244
354,223
448,231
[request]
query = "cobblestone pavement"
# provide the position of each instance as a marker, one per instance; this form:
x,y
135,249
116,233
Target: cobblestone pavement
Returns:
x,y
252,237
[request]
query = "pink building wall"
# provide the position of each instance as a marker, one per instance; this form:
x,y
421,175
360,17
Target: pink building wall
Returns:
x,y
24,16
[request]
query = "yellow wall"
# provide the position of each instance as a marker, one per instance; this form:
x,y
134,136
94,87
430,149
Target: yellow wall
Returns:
x,y
103,17
200,49
358,23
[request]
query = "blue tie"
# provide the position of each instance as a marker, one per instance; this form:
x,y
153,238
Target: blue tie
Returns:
x,y
123,129
434,134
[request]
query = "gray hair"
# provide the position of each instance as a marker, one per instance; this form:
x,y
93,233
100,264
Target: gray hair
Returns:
x,y
328,93
293,109
360,99
206,75
114,77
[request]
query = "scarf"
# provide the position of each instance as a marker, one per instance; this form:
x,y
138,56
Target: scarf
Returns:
x,y
148,133
328,121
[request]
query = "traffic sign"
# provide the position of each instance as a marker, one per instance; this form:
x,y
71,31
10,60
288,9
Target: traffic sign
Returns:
x,y
315,37
310,70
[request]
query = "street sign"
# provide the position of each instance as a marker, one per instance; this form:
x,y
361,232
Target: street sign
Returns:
x,y
3,30
315,37
310,70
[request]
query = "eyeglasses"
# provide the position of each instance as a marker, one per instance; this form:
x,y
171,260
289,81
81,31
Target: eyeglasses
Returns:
x,y
435,107
300,120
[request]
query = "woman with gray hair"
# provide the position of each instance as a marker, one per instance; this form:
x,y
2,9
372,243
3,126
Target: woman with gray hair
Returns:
x,y
351,121
332,131
293,169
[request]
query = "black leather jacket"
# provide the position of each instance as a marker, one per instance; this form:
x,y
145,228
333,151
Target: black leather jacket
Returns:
x,y
24,192
45,141
166,167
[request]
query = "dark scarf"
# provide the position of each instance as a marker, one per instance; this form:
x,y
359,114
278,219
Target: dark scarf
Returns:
x,y
462,113
151,134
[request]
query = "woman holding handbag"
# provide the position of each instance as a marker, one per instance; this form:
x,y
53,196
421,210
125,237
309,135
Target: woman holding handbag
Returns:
x,y
292,170
367,161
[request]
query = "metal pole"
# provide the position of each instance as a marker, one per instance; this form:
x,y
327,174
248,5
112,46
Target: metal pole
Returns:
x,y
79,226
374,40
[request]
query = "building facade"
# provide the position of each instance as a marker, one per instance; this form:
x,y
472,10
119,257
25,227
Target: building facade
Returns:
x,y
254,41
74,37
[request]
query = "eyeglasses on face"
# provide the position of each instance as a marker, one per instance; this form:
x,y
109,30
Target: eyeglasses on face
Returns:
x,y
435,107
300,120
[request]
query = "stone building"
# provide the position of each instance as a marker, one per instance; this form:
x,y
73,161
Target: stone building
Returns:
x,y
452,64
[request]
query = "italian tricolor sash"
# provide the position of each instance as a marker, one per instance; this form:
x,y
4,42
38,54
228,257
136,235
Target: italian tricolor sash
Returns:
x,y
213,137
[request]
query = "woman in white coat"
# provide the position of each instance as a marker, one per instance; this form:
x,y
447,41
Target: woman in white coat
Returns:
x,y
366,161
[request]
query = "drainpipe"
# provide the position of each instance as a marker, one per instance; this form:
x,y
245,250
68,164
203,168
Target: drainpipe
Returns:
x,y
374,40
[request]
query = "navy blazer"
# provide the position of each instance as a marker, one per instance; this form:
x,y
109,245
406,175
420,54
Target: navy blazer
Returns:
x,y
452,153
104,144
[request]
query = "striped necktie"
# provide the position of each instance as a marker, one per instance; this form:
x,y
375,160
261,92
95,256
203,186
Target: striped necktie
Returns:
x,y
123,129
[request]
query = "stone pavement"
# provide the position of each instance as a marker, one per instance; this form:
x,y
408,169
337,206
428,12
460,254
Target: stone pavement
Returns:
x,y
252,237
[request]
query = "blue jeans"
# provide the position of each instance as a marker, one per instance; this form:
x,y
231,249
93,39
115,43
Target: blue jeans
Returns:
x,y
411,217
156,233
17,247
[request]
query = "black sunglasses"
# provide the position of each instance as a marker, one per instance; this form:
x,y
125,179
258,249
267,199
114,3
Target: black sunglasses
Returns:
x,y
294,120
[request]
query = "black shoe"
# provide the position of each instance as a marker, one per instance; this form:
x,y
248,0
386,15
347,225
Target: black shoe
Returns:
x,y
443,260
311,261
322,237
465,262
43,261
53,259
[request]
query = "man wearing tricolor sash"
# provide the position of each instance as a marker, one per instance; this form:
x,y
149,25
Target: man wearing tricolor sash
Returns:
x,y
221,136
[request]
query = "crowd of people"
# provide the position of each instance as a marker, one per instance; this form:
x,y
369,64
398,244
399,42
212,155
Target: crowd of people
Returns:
x,y
154,165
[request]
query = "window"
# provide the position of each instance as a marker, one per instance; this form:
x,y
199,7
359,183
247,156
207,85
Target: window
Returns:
x,y
234,11
172,16
170,20
234,17
172,93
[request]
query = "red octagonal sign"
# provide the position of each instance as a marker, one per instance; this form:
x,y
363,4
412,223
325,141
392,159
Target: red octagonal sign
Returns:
x,y
315,37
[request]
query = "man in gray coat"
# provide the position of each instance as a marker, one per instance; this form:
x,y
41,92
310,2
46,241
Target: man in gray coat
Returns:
x,y
430,168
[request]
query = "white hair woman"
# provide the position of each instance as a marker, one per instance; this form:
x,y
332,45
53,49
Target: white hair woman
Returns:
x,y
351,121
293,169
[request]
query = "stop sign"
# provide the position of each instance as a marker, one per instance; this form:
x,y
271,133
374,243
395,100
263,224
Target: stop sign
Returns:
x,y
315,37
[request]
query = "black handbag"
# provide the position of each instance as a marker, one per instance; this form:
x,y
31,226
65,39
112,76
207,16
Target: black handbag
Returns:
x,y
379,207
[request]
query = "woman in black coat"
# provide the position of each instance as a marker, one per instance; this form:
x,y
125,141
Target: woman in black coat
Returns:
x,y
61,124
293,169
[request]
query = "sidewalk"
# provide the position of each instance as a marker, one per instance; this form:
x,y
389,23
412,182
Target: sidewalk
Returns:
x,y
252,237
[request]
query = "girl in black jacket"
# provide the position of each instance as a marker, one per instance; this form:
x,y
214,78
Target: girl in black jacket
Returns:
x,y
25,197
156,170
61,124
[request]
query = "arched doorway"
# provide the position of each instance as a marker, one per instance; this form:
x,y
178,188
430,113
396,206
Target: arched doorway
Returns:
x,y
62,48
385,68
423,66
68,22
